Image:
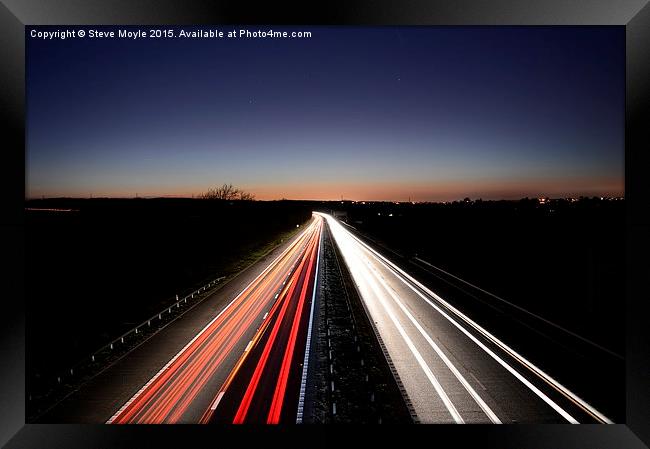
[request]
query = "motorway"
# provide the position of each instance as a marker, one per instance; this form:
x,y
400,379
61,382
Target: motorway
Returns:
x,y
246,364
452,369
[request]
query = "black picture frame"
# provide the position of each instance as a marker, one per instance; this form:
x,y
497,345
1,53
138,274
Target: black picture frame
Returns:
x,y
634,15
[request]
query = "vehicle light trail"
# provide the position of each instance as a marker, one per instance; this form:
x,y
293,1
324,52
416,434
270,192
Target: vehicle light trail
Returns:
x,y
280,390
252,386
486,409
183,389
267,382
433,343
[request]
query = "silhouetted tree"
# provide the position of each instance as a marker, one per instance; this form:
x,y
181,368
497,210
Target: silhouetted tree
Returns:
x,y
227,192
246,196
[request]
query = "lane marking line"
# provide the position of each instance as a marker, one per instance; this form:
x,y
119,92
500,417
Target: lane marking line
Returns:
x,y
287,360
216,402
477,381
305,363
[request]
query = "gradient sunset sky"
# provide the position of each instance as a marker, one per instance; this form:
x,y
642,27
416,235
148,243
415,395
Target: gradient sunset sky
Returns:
x,y
429,113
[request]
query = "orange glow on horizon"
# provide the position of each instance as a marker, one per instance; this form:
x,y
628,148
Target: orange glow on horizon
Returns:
x,y
388,191
443,191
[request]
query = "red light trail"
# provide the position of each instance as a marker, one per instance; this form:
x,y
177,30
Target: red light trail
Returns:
x,y
268,375
175,392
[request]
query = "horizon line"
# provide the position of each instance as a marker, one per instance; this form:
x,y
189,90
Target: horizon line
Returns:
x,y
555,197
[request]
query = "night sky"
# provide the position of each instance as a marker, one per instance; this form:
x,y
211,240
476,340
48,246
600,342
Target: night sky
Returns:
x,y
429,113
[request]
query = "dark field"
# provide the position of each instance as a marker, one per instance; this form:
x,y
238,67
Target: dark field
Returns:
x,y
563,260
95,272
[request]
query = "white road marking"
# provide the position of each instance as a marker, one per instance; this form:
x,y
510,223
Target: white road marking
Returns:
x,y
305,363
216,402
477,381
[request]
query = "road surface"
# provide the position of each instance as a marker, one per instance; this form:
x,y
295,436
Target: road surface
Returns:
x,y
268,381
452,369
262,330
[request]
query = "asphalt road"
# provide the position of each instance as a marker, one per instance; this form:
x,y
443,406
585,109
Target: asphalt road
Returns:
x,y
452,369
173,376
266,384
271,306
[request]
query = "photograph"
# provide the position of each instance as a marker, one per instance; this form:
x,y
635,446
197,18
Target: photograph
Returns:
x,y
250,224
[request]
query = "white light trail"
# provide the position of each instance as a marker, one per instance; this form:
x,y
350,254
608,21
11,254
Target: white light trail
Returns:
x,y
350,245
